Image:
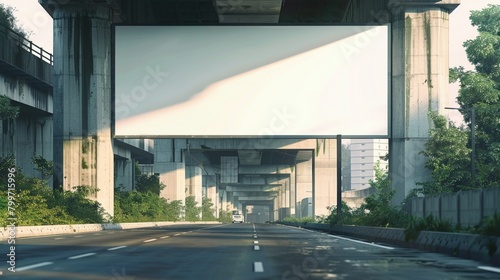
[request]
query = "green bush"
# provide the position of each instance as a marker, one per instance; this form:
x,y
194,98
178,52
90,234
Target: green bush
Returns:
x,y
149,183
303,220
225,217
428,223
135,206
207,212
37,204
192,211
489,226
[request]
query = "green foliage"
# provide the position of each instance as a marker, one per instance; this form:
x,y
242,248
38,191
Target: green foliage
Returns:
x,y
8,19
448,158
192,211
225,217
376,211
303,220
44,166
207,212
7,111
135,206
489,229
149,183
78,206
37,204
430,223
480,89
489,226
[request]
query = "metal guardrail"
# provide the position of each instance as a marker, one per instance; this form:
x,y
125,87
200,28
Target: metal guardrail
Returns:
x,y
26,44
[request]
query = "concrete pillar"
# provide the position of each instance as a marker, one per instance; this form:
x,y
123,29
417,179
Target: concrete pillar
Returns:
x,y
194,185
171,170
83,153
211,191
419,85
124,173
303,180
222,201
326,176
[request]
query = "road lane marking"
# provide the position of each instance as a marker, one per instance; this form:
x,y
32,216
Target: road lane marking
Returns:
x,y
78,236
57,238
489,268
163,237
81,256
34,266
177,234
362,242
116,248
258,267
149,240
256,248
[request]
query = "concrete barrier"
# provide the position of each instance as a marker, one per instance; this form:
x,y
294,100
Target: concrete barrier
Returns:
x,y
28,231
470,246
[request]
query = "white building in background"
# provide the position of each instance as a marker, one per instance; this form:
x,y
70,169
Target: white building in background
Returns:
x,y
364,154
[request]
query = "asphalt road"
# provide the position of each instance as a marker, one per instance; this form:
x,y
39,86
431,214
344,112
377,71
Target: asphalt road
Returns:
x,y
227,251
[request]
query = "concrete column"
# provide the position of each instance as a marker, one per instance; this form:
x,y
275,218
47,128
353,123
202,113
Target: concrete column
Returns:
x,y
419,85
211,192
194,185
83,153
223,201
303,180
124,169
326,176
171,170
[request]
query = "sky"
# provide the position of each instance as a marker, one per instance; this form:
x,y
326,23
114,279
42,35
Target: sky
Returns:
x,y
32,17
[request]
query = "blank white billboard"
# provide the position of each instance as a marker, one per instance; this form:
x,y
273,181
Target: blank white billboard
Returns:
x,y
245,81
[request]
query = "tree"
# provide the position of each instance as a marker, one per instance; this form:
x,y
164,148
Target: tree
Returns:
x,y
192,210
480,89
149,183
447,158
207,212
8,19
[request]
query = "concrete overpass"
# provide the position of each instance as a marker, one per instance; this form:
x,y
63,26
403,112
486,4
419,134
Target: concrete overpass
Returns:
x,y
83,99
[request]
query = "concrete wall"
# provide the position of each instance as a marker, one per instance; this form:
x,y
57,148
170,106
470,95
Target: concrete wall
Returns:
x,y
464,208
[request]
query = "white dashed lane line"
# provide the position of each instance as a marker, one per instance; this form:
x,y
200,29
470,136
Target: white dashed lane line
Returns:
x,y
149,240
258,267
163,237
33,266
116,248
362,242
81,256
489,268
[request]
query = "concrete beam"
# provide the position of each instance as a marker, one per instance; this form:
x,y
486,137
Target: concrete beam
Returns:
x,y
255,198
252,189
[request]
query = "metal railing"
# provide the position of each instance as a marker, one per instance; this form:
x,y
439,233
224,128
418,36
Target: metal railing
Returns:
x,y
26,44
